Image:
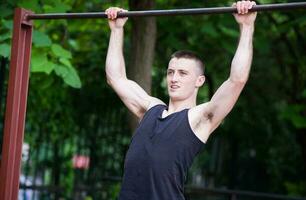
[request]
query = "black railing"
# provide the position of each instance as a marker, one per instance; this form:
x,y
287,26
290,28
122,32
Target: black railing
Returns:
x,y
200,192
191,192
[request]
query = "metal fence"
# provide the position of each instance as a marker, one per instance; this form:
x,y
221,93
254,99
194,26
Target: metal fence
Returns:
x,y
191,192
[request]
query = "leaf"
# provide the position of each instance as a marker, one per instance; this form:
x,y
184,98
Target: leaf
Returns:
x,y
304,94
40,63
210,30
229,47
69,75
300,21
293,113
61,70
57,6
41,39
60,51
230,32
49,67
5,50
73,78
29,4
5,36
74,44
299,122
8,24
5,11
65,61
38,58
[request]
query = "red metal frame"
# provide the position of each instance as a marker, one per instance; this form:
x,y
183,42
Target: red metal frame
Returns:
x,y
16,105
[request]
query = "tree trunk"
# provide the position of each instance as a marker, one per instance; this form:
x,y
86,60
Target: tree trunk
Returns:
x,y
142,49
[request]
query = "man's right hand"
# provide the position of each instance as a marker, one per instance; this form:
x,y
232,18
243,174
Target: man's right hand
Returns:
x,y
243,16
113,21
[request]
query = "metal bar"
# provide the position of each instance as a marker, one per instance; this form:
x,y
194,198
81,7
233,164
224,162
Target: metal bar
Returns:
x,y
201,191
16,106
191,11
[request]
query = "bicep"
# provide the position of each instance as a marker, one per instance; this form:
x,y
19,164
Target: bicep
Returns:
x,y
133,96
223,101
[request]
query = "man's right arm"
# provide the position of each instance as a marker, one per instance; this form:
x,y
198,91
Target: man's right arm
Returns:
x,y
132,95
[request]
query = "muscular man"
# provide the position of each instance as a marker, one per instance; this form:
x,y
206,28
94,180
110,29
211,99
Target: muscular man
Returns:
x,y
169,136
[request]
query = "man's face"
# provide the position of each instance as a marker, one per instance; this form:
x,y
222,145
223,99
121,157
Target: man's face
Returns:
x,y
183,78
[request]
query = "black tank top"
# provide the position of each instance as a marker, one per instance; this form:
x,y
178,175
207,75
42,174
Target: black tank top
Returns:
x,y
159,156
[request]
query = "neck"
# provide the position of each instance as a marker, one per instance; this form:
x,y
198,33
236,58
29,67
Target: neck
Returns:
x,y
175,106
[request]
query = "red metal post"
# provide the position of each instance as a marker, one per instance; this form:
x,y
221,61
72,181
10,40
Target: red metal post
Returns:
x,y
16,106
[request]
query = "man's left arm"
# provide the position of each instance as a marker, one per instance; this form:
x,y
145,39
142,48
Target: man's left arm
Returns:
x,y
227,94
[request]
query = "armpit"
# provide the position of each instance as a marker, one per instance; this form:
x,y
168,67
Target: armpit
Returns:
x,y
209,115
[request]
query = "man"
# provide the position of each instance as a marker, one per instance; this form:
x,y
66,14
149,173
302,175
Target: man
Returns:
x,y
169,137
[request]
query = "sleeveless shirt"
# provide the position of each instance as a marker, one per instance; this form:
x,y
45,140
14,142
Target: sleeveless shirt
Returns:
x,y
160,153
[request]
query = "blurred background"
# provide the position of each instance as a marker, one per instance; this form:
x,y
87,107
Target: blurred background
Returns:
x,y
78,131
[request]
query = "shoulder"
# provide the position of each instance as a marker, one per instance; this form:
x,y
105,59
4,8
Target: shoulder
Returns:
x,y
153,102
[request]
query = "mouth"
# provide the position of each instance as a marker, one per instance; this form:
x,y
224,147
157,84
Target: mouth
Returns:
x,y
174,87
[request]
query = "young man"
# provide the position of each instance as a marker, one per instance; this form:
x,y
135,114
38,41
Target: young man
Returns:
x,y
169,137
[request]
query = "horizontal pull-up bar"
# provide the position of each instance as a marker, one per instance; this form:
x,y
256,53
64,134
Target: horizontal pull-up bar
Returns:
x,y
190,11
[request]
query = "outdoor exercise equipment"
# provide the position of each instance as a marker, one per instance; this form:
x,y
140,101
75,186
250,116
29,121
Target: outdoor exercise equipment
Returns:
x,y
19,78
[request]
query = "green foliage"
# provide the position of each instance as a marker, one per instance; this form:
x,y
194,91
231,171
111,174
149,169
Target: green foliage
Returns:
x,y
47,54
294,113
5,36
40,62
41,39
68,73
56,6
295,189
5,50
60,51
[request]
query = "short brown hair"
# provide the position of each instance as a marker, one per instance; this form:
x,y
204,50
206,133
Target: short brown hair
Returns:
x,y
190,55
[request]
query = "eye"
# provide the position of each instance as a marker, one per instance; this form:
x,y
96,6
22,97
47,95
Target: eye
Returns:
x,y
169,72
183,73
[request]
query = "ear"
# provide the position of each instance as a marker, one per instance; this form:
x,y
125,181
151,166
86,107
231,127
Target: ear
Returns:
x,y
200,81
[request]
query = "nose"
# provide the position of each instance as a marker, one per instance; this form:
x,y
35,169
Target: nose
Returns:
x,y
174,77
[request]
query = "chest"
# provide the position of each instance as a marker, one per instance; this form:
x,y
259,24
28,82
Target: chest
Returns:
x,y
162,144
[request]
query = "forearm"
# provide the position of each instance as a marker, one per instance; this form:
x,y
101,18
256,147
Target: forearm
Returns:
x,y
242,60
115,65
